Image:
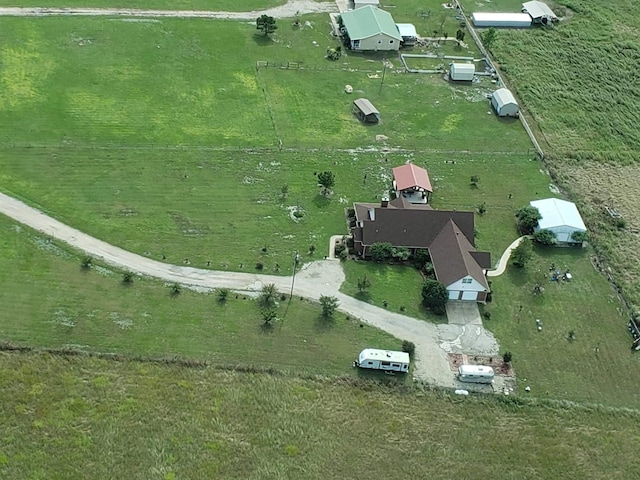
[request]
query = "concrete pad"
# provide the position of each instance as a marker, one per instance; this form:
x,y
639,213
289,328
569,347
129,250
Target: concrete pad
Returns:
x,y
463,313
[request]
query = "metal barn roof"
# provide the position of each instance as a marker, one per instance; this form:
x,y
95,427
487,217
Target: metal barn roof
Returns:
x,y
538,10
558,213
407,30
365,106
496,19
503,96
368,21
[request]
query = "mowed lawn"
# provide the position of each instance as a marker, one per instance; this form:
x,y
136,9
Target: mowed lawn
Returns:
x,y
49,301
598,366
226,5
70,417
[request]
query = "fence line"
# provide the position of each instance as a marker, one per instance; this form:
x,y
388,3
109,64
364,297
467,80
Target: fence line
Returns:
x,y
501,81
260,64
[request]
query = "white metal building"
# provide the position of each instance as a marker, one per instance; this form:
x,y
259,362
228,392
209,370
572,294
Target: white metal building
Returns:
x,y
539,12
408,33
559,216
501,20
504,103
462,72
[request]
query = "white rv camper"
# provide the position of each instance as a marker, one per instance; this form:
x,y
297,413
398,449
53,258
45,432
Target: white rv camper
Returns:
x,y
475,374
383,360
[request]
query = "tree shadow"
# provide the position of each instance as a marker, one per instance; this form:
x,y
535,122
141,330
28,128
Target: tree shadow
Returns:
x,y
321,201
363,296
262,39
266,328
324,324
381,376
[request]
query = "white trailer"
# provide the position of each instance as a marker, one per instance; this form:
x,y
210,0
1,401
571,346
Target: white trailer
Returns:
x,y
383,360
462,72
501,20
475,374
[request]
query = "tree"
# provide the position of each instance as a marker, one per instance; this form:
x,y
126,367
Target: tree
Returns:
x,y
284,190
223,295
482,208
381,251
87,262
175,289
507,357
329,305
421,257
363,284
545,237
579,237
268,295
434,296
266,24
522,253
326,180
408,347
334,53
527,218
445,35
312,248
127,278
460,36
473,181
268,315
489,37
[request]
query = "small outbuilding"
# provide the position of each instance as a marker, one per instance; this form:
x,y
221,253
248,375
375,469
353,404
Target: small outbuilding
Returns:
x,y
369,28
408,33
364,3
501,20
559,216
412,183
539,12
462,72
504,103
365,111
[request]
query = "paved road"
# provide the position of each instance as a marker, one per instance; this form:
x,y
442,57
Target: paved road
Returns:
x,y
313,280
288,10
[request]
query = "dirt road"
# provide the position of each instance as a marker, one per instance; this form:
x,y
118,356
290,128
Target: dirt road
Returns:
x,y
314,279
288,10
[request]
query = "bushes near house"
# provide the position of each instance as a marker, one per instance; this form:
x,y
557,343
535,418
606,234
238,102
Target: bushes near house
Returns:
x,y
545,237
435,296
381,251
527,219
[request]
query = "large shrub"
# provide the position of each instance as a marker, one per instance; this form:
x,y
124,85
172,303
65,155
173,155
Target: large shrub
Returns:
x,y
435,296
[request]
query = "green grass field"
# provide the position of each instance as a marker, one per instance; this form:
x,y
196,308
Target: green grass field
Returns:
x,y
49,301
77,417
226,5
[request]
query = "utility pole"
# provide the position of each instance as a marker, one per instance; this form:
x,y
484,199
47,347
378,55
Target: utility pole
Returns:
x,y
384,70
296,259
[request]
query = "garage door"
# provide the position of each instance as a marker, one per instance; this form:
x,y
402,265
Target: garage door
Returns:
x,y
469,295
453,294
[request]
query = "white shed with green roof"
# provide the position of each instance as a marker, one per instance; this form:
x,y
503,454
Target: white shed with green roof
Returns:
x,y
369,28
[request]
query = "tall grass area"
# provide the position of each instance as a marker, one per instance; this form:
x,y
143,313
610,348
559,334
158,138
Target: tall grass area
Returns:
x,y
91,418
49,301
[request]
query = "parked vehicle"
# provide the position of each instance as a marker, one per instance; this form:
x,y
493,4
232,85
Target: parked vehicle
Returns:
x,y
387,360
475,374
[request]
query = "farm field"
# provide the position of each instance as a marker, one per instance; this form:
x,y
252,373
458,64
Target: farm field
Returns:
x,y
98,418
585,104
49,301
226,5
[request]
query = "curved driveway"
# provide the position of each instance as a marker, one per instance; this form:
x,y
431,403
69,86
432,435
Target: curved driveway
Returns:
x,y
313,280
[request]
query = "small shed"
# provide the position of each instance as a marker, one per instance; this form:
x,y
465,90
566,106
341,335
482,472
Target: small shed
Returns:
x,y
408,33
504,103
501,20
364,3
462,72
559,216
539,12
365,111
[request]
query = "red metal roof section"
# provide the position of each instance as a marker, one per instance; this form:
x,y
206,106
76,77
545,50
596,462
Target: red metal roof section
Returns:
x,y
409,176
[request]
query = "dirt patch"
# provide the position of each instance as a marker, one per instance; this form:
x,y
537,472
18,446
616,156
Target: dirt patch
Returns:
x,y
495,362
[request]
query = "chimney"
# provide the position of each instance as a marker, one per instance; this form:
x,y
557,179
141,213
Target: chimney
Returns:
x,y
385,202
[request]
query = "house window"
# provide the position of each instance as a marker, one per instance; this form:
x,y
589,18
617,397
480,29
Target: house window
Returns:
x,y
385,364
356,44
466,280
390,41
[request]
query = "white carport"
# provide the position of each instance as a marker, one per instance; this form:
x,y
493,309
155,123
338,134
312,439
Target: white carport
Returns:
x,y
559,216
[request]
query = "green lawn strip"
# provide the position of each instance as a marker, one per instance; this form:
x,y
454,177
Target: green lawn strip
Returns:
x,y
398,285
50,301
597,366
80,417
211,5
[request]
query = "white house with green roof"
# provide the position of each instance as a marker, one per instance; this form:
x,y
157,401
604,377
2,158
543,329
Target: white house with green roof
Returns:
x,y
369,28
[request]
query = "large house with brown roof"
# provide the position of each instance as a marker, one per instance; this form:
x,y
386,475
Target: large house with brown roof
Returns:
x,y
448,235
412,182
